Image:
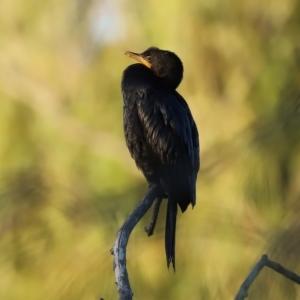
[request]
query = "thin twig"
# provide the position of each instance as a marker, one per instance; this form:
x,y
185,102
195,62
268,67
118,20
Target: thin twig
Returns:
x,y
243,291
264,261
119,248
282,270
150,228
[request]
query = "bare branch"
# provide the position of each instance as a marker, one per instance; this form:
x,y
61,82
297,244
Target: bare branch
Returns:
x,y
243,291
282,270
264,261
150,228
119,248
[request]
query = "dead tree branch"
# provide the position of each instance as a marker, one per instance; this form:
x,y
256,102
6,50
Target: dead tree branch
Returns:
x,y
119,248
264,261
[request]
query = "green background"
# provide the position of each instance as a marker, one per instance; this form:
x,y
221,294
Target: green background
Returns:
x,y
67,181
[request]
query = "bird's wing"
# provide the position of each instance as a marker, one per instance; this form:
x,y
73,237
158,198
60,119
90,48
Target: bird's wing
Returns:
x,y
170,129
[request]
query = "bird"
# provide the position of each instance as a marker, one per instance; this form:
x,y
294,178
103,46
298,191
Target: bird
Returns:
x,y
160,132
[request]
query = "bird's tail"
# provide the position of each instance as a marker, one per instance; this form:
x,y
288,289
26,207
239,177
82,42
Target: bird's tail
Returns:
x,y
171,231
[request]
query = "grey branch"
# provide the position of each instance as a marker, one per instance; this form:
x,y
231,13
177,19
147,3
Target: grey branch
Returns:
x,y
119,248
264,261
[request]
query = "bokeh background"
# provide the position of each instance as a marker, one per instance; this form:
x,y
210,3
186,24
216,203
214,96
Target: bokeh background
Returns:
x,y
67,181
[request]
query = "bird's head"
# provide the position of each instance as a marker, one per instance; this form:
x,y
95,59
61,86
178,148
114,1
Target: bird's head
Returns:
x,y
164,64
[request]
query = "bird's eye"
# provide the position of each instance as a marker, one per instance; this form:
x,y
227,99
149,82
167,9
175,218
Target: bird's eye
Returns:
x,y
148,58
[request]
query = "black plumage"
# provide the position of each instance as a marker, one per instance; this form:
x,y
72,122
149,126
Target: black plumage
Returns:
x,y
160,132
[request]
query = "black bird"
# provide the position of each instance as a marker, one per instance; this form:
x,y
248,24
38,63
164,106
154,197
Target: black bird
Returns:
x,y
161,133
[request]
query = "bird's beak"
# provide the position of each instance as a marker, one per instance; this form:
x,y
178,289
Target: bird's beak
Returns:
x,y
139,58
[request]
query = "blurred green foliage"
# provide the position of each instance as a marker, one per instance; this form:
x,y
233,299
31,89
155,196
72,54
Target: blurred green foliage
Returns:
x,y
67,181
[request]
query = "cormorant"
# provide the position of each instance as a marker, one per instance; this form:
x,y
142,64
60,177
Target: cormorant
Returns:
x,y
161,133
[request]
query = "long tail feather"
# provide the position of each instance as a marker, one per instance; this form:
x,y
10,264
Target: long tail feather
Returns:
x,y
171,232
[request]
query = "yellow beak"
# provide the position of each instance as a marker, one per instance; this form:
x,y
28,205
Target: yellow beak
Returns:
x,y
139,58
